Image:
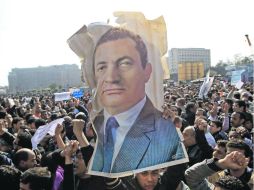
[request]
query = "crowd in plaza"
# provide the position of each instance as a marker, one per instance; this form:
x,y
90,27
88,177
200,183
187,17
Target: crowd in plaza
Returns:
x,y
217,132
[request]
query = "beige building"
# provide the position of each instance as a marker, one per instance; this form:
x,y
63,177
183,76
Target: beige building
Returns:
x,y
27,79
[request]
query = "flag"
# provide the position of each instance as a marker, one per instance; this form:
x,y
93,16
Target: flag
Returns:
x,y
207,84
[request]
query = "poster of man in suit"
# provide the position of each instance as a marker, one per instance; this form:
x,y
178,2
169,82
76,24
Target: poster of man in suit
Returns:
x,y
132,135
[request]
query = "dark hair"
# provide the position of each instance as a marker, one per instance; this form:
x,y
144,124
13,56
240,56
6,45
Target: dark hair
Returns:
x,y
20,155
31,120
217,123
230,183
241,103
189,106
241,145
39,122
237,95
38,178
117,33
248,117
241,115
24,139
16,120
9,177
222,143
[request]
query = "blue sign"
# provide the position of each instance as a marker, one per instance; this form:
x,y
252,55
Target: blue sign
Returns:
x,y
236,76
78,93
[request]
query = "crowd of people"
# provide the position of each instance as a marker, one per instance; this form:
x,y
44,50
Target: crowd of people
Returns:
x,y
217,132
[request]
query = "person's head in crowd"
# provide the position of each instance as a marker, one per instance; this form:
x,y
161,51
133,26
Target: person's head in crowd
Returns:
x,y
53,116
23,140
209,106
2,114
178,122
239,106
9,177
237,95
180,102
63,112
200,112
173,99
248,124
80,169
16,123
44,115
230,103
245,96
240,146
237,119
31,123
220,149
229,183
24,159
176,110
233,135
200,104
190,107
39,122
37,178
21,111
5,146
167,98
147,180
28,116
37,110
215,126
71,115
189,136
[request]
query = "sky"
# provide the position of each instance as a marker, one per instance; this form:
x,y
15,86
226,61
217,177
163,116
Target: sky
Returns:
x,y
34,32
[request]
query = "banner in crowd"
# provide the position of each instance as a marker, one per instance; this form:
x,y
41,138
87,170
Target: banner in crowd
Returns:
x,y
122,65
62,96
77,93
43,130
236,76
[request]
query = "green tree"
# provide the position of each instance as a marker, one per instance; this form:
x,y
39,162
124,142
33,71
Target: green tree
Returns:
x,y
219,69
53,87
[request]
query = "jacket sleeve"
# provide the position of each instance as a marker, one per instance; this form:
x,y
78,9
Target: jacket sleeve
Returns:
x,y
206,149
196,175
69,181
173,176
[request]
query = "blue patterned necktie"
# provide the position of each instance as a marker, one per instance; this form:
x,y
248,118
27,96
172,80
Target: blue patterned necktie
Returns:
x,y
111,126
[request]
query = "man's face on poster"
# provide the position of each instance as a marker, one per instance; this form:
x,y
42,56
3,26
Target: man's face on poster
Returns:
x,y
120,75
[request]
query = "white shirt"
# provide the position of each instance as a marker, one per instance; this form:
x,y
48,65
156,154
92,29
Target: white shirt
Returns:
x,y
210,139
125,121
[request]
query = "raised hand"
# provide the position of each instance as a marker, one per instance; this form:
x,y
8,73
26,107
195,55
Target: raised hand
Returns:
x,y
59,129
78,126
235,160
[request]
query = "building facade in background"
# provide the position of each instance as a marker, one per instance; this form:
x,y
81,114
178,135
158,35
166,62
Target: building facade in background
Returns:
x,y
27,79
188,63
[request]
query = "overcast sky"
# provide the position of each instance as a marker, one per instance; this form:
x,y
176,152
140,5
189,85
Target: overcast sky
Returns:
x,y
34,33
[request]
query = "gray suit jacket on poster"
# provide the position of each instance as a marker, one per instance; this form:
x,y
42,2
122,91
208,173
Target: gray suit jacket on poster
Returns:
x,y
151,140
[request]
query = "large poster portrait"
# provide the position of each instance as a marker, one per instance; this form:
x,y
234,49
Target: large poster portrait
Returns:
x,y
123,64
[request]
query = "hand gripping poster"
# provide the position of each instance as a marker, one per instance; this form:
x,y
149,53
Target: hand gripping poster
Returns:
x,y
123,62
